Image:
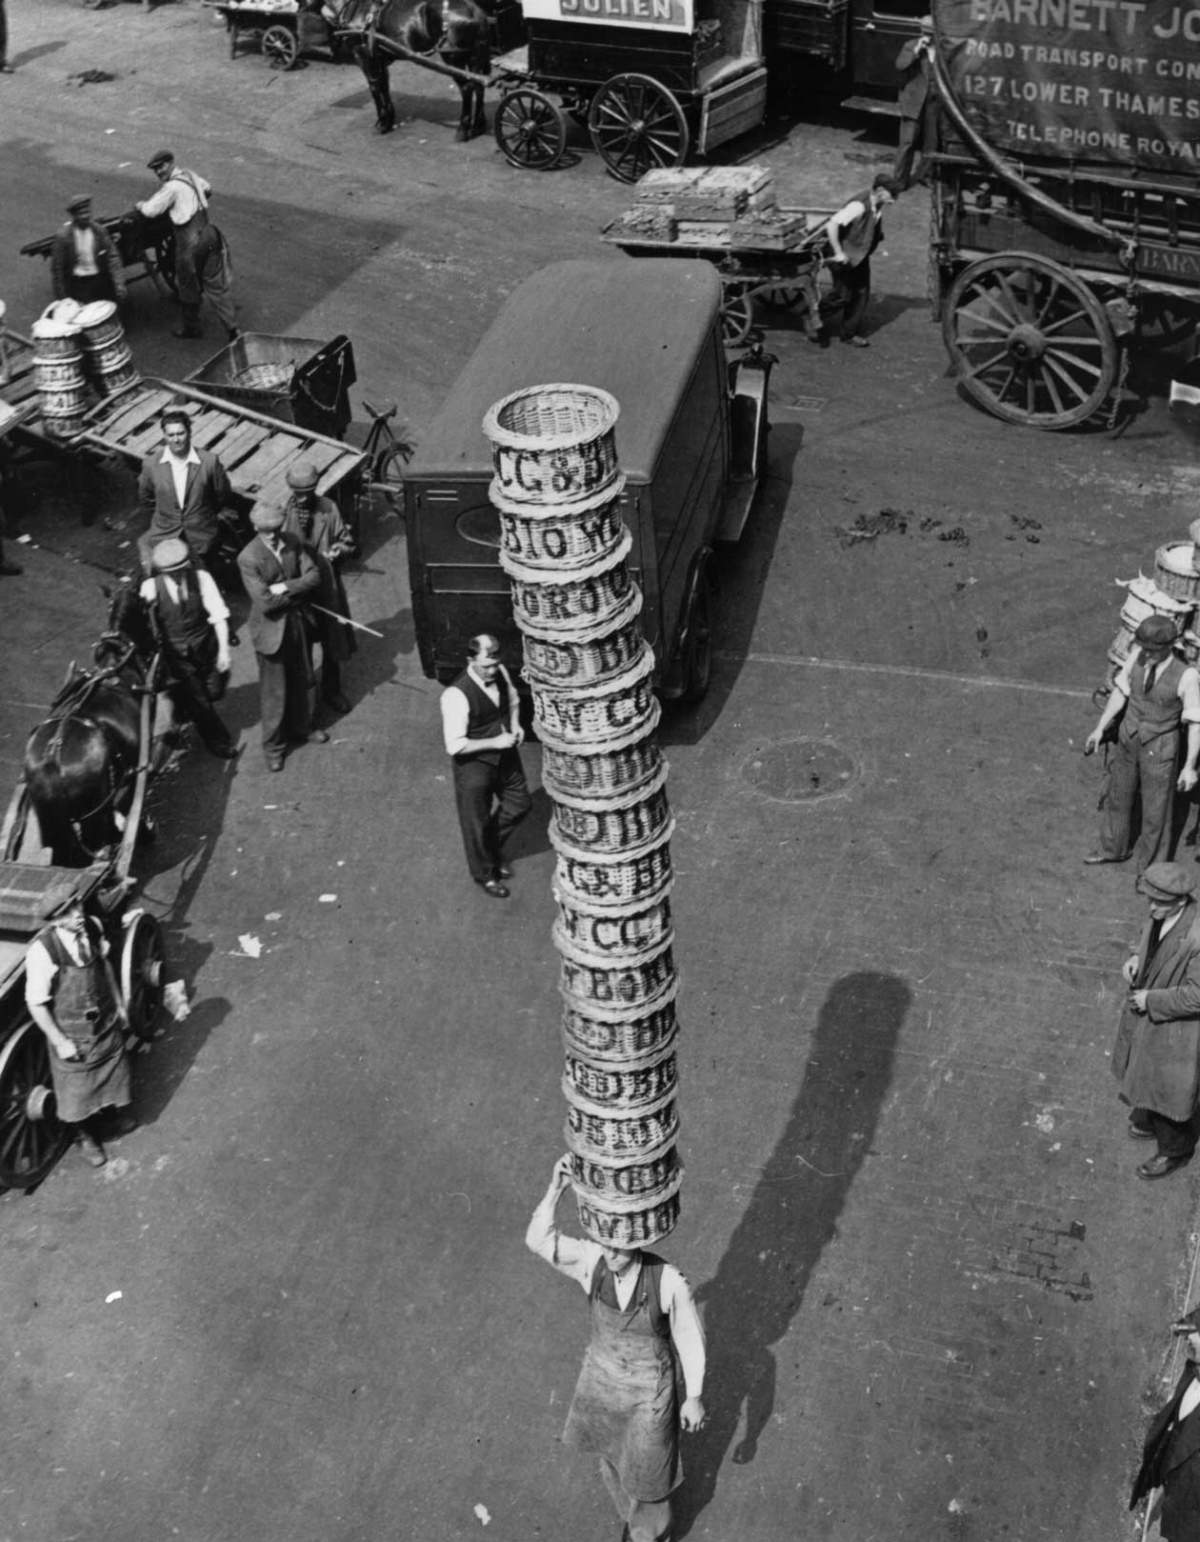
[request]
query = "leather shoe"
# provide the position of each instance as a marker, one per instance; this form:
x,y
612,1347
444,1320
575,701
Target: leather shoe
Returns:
x,y
93,1151
493,888
504,872
274,762
1096,858
1159,1166
1139,1131
317,736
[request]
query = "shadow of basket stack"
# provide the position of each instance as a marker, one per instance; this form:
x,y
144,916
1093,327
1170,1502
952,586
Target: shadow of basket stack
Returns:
x,y
1173,591
564,547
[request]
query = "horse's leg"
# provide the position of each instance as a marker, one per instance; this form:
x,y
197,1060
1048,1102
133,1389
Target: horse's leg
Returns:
x,y
375,70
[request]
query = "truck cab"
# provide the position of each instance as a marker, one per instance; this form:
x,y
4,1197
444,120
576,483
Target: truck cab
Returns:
x,y
690,441
857,40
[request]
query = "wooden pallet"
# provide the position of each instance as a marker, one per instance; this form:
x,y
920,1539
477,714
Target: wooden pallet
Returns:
x,y
256,450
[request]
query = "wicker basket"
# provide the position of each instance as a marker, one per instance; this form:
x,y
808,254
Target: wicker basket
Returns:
x,y
620,1037
1175,571
579,603
597,1133
612,1226
615,827
644,1181
568,663
560,537
553,443
594,714
618,1089
636,984
615,932
605,773
600,878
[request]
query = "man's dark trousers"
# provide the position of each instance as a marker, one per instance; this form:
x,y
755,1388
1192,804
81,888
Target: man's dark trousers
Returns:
x,y
283,690
1146,773
478,783
194,687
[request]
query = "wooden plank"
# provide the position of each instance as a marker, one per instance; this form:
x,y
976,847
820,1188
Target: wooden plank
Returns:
x,y
240,444
208,428
131,416
254,474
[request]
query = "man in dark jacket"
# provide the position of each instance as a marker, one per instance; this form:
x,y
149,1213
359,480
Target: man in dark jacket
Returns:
x,y
191,621
280,576
1154,694
1171,1454
318,523
182,490
918,107
84,264
1158,1039
481,729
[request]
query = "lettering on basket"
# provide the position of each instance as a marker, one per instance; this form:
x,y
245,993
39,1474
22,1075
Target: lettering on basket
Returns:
x,y
579,470
618,985
615,1136
612,934
641,1086
614,827
626,1038
564,602
537,540
626,1181
599,882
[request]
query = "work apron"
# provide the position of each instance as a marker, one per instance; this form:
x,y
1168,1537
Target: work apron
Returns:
x,y
626,1403
84,1009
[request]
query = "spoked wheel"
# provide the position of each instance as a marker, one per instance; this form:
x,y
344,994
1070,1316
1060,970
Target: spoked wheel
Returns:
x,y
164,258
530,130
737,314
281,47
32,1137
781,297
637,125
143,966
1029,341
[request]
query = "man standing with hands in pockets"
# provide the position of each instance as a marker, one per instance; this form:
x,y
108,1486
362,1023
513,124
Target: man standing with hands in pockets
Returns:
x,y
481,729
627,1407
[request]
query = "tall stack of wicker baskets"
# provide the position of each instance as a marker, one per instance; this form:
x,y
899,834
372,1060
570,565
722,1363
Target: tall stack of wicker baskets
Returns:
x,y
1174,592
564,546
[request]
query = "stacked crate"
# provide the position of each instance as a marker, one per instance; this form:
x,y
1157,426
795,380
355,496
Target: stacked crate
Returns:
x,y
714,206
564,546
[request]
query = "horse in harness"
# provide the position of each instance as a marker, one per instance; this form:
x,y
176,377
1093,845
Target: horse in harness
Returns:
x,y
81,763
448,36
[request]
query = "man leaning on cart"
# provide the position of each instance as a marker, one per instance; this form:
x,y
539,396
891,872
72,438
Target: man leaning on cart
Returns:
x,y
71,994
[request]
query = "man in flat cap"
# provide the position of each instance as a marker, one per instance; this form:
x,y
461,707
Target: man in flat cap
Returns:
x,y
1154,705
202,260
84,264
1171,1454
280,577
917,102
1156,1057
191,621
317,523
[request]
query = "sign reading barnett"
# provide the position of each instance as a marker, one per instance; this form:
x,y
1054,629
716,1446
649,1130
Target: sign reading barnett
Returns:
x,y
1079,80
661,15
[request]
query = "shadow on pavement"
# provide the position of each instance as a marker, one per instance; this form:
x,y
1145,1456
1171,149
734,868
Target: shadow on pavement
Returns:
x,y
792,1215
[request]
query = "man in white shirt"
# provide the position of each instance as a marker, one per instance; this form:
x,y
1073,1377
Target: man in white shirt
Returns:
x,y
183,491
1154,694
191,621
626,1409
481,729
84,263
853,234
202,260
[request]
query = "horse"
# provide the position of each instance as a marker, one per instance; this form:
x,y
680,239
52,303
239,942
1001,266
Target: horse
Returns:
x,y
456,31
81,763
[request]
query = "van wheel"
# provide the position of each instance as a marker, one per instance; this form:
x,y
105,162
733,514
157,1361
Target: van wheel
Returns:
x,y
698,660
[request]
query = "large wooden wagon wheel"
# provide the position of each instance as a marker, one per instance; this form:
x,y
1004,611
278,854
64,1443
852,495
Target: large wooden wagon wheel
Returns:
x,y
637,125
143,964
32,1137
281,47
530,130
1029,341
737,312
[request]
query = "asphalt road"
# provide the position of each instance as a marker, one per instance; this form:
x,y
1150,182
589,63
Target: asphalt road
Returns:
x,y
936,1296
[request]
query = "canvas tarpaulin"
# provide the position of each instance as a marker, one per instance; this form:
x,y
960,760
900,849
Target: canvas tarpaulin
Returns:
x,y
1111,81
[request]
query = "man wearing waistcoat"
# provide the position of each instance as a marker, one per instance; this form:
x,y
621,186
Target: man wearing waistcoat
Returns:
x,y
280,578
1154,695
191,622
1155,1056
481,728
853,234
1171,1455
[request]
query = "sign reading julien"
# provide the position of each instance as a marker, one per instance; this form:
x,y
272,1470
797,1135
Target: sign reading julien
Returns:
x,y
663,15
1081,80
563,544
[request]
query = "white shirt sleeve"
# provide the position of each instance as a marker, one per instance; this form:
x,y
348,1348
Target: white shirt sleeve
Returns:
x,y
1189,695
456,715
210,596
40,970
576,1257
677,1301
160,202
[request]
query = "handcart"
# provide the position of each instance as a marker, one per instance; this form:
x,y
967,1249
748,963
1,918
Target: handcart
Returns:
x,y
284,31
146,248
295,379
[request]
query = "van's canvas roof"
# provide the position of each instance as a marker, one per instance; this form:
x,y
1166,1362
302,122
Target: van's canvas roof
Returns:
x,y
633,327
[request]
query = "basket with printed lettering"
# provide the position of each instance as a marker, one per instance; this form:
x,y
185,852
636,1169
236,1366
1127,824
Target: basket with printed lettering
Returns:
x,y
600,712
581,772
601,1133
623,823
612,878
643,1180
634,983
580,602
553,444
622,1088
570,662
613,931
632,1223
560,536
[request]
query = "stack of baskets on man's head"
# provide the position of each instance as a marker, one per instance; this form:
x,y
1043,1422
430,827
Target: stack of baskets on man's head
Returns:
x,y
1174,592
557,488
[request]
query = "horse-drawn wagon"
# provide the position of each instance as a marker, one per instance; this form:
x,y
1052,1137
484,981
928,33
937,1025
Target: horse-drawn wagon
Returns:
x,y
1066,206
68,837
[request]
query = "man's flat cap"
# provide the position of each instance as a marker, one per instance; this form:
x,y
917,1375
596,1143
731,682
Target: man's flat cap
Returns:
x,y
1188,1323
170,554
1158,631
266,516
1167,882
160,158
80,201
302,476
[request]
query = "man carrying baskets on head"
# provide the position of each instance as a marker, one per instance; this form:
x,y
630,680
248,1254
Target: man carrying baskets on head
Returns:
x,y
627,1406
1154,694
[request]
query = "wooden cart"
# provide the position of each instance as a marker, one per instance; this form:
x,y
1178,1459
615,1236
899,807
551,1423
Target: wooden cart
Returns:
x,y
283,32
1066,221
146,248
